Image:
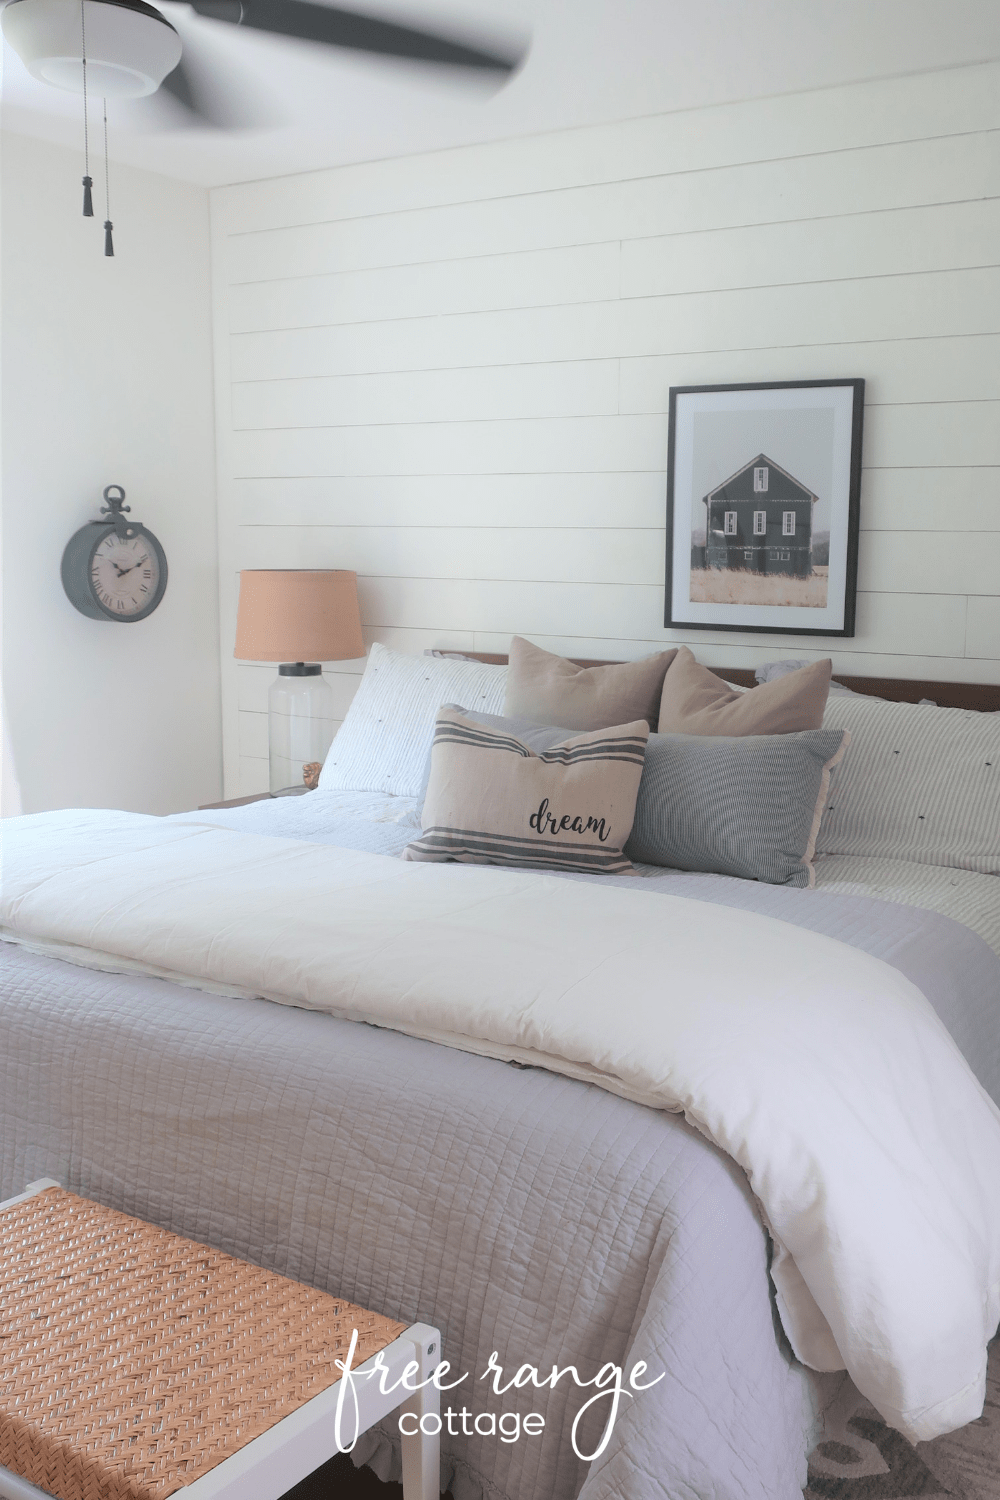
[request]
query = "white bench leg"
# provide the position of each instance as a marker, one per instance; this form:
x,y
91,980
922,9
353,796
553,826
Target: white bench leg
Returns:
x,y
13,1487
422,1449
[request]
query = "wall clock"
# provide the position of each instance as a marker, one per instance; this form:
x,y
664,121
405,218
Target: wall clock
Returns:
x,y
114,569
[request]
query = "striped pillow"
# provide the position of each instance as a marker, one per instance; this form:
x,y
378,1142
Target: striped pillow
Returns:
x,y
921,783
492,800
744,805
383,742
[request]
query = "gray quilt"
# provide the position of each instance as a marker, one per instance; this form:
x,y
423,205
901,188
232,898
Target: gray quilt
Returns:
x,y
525,1213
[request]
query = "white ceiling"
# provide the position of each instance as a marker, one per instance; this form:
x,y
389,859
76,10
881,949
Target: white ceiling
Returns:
x,y
589,60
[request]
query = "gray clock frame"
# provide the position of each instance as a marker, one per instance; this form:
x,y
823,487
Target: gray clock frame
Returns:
x,y
78,558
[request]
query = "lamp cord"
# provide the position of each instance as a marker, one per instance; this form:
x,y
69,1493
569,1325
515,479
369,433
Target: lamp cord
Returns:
x,y
88,205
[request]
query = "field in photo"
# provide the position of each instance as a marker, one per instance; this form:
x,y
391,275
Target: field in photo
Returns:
x,y
734,586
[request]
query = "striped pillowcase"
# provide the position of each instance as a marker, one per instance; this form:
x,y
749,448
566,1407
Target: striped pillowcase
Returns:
x,y
744,805
921,783
492,800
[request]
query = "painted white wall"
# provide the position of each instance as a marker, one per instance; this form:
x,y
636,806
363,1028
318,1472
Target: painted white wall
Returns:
x,y
107,378
450,371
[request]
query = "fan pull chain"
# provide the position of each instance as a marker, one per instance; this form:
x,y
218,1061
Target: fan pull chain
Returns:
x,y
109,248
88,181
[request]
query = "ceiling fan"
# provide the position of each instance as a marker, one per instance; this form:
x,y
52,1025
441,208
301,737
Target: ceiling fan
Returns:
x,y
131,49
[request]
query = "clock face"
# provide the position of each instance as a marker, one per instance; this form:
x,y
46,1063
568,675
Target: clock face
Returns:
x,y
124,574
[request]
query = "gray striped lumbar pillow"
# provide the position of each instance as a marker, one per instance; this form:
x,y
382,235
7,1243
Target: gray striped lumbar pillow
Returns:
x,y
492,800
748,805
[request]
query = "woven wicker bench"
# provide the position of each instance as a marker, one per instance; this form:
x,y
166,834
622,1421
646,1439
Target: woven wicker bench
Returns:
x,y
135,1364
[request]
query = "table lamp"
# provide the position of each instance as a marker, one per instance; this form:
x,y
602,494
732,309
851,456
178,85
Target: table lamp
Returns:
x,y
299,617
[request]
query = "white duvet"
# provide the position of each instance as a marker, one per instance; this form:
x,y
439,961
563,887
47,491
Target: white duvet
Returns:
x,y
872,1149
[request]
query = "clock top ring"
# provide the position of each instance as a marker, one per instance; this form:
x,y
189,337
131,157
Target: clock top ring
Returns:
x,y
114,569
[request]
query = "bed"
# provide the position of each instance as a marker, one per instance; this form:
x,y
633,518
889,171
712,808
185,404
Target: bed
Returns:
x,y
531,1206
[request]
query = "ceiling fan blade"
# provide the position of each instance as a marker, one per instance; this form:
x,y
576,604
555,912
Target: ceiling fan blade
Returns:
x,y
211,96
362,33
178,83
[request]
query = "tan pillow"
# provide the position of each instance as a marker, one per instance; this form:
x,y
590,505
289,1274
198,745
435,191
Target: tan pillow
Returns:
x,y
491,800
549,689
695,701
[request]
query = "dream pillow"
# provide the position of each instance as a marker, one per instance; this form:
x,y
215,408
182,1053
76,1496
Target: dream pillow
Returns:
x,y
492,799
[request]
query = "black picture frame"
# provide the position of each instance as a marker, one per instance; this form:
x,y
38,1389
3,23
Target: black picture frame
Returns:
x,y
843,544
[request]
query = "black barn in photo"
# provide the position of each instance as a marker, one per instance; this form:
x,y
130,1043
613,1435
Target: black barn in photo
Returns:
x,y
760,520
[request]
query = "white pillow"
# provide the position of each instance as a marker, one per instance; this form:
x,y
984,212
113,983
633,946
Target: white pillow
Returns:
x,y
772,670
918,783
383,742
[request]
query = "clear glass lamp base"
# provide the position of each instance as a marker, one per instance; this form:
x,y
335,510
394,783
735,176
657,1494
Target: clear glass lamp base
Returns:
x,y
300,722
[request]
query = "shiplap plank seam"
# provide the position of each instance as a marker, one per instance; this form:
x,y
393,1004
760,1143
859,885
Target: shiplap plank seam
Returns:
x,y
870,406
642,239
963,97
383,526
535,307
913,338
626,180
548,474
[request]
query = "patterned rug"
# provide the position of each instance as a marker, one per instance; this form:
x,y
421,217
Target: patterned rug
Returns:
x,y
863,1459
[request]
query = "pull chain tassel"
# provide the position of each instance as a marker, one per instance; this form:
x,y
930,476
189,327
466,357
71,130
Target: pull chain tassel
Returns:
x,y
109,245
88,202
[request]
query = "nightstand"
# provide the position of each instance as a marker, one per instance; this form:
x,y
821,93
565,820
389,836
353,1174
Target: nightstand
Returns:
x,y
288,791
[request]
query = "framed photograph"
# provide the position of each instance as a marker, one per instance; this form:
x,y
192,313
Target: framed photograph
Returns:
x,y
763,501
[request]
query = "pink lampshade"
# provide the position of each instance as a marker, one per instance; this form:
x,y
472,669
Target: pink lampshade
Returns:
x,y
298,614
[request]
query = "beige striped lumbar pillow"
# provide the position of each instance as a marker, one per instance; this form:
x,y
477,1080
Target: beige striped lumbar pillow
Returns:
x,y
492,800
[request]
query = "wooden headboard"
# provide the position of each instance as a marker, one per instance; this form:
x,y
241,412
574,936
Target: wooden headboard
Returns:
x,y
982,696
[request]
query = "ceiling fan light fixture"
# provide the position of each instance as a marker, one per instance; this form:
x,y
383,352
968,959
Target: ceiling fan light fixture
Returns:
x,y
130,47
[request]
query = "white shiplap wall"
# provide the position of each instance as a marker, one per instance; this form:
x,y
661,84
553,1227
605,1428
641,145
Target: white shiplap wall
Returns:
x,y
450,371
